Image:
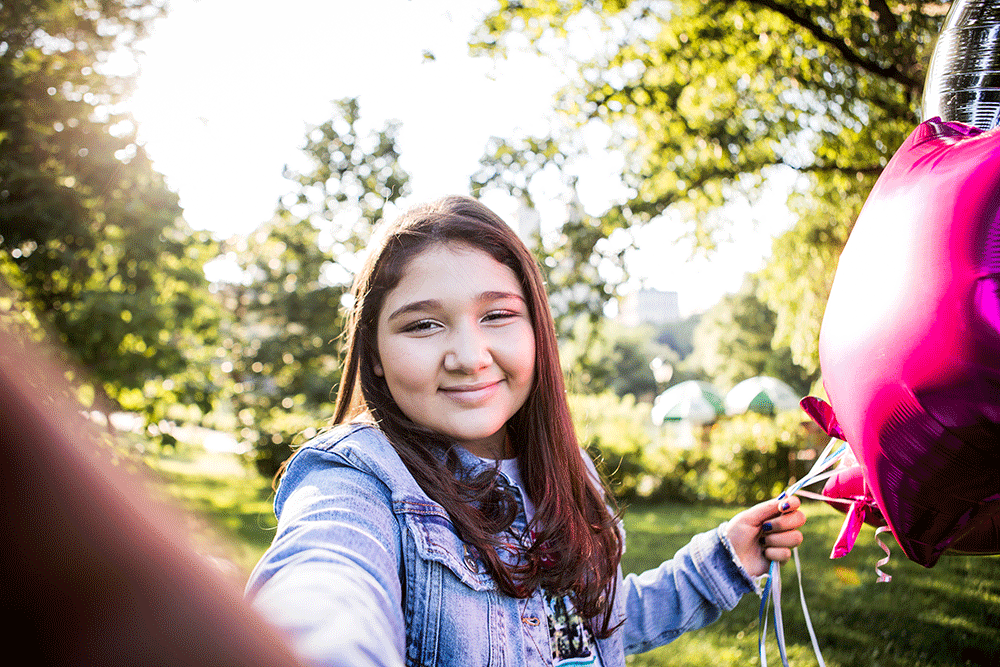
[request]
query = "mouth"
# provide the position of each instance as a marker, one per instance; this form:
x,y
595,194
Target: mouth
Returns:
x,y
472,393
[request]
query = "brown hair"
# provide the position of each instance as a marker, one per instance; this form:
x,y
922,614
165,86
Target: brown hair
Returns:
x,y
577,546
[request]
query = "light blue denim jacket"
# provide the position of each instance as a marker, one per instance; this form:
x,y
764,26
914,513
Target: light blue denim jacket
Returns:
x,y
365,569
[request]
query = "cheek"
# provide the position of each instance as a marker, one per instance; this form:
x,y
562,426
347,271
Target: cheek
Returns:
x,y
521,356
405,365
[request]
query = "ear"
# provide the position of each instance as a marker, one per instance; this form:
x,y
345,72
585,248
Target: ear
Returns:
x,y
378,369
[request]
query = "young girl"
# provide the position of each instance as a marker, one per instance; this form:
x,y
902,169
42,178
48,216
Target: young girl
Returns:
x,y
450,517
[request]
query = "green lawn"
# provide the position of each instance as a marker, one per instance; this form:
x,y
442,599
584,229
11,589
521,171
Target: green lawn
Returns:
x,y
942,616
948,615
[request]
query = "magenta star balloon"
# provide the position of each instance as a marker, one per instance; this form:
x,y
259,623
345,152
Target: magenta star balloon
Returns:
x,y
910,342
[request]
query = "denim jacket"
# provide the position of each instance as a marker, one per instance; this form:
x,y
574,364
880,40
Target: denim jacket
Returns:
x,y
365,569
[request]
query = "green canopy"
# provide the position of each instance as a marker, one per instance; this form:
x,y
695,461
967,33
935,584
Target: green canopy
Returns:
x,y
762,394
693,401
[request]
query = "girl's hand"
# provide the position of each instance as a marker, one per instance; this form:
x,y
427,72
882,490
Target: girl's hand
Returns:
x,y
766,532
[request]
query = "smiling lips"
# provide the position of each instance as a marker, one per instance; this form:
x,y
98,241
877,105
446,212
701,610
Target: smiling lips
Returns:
x,y
472,394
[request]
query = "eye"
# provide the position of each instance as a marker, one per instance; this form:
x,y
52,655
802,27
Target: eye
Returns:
x,y
500,315
420,326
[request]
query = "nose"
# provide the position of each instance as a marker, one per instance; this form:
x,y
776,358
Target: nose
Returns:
x,y
469,350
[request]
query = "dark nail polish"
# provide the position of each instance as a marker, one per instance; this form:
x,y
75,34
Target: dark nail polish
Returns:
x,y
760,541
767,527
785,506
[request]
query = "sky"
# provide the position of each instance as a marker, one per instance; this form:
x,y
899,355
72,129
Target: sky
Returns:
x,y
228,88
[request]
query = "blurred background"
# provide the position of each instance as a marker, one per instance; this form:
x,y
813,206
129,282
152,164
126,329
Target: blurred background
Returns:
x,y
186,187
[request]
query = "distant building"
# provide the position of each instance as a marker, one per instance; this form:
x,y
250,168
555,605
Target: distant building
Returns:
x,y
649,306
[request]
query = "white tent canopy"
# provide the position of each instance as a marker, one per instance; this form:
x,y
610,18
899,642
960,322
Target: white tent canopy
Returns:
x,y
763,394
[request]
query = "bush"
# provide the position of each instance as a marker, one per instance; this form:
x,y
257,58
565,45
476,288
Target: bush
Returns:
x,y
755,456
282,432
613,431
739,460
630,451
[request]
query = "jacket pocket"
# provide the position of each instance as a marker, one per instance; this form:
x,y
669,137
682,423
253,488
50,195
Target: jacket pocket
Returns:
x,y
435,540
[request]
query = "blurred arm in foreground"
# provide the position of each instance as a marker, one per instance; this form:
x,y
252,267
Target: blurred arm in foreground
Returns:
x,y
100,573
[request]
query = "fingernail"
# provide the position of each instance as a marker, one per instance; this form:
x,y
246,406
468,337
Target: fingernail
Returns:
x,y
766,527
785,506
760,540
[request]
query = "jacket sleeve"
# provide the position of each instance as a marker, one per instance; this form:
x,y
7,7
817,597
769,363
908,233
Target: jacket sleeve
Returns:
x,y
687,592
330,578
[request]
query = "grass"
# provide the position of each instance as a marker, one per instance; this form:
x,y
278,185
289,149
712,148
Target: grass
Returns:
x,y
230,505
945,616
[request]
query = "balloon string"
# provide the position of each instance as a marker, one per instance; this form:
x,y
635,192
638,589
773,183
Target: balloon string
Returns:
x,y
765,600
832,453
779,624
805,610
883,578
820,496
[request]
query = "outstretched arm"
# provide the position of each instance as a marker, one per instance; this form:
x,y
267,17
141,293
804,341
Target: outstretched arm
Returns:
x,y
707,576
330,579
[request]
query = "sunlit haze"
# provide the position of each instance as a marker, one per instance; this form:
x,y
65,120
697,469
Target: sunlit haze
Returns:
x,y
228,89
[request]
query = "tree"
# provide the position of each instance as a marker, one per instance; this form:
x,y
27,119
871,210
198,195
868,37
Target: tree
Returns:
x,y
605,356
735,341
708,98
90,236
796,281
288,315
679,336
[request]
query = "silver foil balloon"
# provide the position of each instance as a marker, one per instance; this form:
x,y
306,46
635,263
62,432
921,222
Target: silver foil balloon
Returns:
x,y
963,80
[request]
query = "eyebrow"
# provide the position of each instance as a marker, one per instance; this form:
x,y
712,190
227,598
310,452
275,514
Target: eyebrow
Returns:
x,y
430,304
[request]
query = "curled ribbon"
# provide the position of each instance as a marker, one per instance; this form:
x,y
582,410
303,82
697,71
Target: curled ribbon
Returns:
x,y
882,576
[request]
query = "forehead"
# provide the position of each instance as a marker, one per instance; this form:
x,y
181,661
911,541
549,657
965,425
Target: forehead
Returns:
x,y
452,269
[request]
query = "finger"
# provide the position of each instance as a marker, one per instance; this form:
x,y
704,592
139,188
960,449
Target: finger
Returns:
x,y
768,509
783,522
790,539
778,554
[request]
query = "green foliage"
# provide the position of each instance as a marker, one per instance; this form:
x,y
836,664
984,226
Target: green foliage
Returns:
x,y
706,100
91,237
735,340
604,356
351,174
616,432
282,351
796,282
754,457
738,460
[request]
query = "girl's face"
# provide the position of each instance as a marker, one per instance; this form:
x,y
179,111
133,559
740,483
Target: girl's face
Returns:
x,y
456,346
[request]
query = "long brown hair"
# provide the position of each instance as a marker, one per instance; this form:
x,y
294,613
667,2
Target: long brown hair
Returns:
x,y
577,546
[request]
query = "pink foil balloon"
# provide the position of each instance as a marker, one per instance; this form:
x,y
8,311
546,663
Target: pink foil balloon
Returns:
x,y
848,484
910,342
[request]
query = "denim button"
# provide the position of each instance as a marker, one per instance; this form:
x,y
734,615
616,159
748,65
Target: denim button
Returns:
x,y
470,559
